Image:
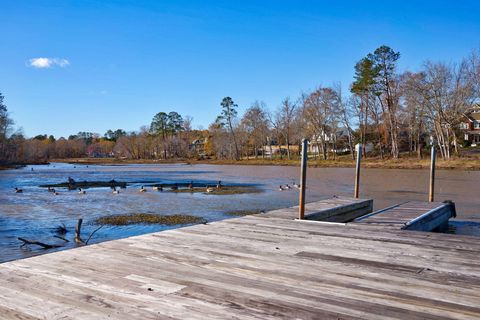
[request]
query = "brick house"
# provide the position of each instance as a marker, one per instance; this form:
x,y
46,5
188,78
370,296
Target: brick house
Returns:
x,y
471,126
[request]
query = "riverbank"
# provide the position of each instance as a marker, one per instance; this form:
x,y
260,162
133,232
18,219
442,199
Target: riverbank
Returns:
x,y
8,166
463,163
11,166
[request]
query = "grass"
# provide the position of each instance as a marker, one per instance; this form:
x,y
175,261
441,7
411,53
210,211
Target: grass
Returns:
x,y
468,161
148,218
345,161
241,213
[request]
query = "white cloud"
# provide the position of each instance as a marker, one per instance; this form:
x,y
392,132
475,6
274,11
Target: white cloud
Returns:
x,y
44,63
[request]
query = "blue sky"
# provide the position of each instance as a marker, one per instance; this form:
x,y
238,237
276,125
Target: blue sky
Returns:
x,y
115,64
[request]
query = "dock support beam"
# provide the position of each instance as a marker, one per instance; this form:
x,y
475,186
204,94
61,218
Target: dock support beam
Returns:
x,y
358,150
432,174
303,179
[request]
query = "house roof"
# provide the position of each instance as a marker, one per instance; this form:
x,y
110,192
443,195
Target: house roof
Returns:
x,y
475,116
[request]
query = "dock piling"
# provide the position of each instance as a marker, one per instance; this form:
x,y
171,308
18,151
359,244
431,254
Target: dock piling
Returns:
x,y
303,179
358,150
432,174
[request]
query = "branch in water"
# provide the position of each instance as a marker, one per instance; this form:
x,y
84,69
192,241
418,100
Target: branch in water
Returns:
x,y
91,234
38,243
60,237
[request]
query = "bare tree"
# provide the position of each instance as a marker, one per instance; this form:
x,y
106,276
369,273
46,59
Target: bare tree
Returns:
x,y
447,92
256,125
320,109
286,118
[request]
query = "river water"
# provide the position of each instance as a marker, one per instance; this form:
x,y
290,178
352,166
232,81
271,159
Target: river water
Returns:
x,y
35,213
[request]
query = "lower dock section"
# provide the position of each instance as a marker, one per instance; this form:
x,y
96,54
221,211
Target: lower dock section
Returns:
x,y
412,215
336,209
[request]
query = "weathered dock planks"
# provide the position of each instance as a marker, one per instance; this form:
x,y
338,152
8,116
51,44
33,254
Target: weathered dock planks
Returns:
x,y
265,266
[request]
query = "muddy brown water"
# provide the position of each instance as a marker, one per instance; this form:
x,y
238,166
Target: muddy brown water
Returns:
x,y
36,213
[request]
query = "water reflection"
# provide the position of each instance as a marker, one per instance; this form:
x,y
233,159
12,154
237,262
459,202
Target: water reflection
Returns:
x,y
468,228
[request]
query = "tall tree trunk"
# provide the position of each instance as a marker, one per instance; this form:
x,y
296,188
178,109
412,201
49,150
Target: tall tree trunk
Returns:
x,y
271,149
288,146
350,144
364,137
237,155
455,144
419,146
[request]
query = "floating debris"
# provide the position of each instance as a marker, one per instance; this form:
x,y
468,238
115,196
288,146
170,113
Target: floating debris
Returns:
x,y
148,218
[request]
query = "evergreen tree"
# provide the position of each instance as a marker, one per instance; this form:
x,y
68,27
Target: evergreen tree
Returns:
x,y
226,118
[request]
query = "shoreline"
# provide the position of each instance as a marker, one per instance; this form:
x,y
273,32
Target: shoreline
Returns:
x,y
466,164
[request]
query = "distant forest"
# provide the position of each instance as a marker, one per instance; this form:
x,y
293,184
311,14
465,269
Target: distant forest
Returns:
x,y
391,113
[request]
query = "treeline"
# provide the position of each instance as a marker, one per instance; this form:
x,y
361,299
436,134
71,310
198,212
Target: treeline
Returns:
x,y
388,111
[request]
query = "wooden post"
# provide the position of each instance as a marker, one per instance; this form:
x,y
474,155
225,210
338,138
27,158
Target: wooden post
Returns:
x,y
78,228
432,174
303,179
358,150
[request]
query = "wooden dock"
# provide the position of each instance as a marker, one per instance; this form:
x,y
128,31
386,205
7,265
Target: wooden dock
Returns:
x,y
266,266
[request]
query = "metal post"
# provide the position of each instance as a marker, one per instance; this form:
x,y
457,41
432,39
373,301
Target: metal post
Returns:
x,y
432,174
303,179
358,150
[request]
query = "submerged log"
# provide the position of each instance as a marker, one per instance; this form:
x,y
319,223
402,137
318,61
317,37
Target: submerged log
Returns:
x,y
38,243
86,184
78,239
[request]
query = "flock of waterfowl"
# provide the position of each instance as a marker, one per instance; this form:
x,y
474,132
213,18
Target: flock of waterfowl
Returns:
x,y
71,184
115,187
288,187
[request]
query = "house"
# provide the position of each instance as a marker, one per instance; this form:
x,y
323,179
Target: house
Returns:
x,y
279,149
339,140
198,146
471,126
